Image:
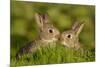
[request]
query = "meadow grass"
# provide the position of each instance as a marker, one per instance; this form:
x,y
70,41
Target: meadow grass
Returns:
x,y
55,55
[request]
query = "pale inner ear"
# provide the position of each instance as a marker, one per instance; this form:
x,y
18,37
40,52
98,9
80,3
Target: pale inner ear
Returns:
x,y
77,28
45,18
39,20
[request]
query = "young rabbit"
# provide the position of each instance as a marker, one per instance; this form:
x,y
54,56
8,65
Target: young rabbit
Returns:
x,y
47,34
70,38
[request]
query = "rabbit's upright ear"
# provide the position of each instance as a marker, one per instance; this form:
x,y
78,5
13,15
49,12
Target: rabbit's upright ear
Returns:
x,y
77,27
41,19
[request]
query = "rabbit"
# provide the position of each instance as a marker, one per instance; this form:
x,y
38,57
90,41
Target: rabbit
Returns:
x,y
48,33
70,38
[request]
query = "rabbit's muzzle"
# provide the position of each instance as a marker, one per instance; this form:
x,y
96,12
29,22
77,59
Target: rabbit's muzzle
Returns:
x,y
57,37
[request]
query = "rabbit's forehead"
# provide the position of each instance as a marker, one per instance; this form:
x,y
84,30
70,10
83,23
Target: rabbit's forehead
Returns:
x,y
49,26
68,32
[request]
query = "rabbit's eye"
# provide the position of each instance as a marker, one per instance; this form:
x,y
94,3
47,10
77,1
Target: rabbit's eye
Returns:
x,y
50,31
69,36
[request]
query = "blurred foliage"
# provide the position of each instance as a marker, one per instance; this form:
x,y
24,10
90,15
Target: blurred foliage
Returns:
x,y
24,27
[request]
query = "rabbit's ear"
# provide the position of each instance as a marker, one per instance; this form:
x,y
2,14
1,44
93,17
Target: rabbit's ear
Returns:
x,y
41,19
77,28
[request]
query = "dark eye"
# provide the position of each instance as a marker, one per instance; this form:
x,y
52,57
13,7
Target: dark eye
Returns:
x,y
50,31
69,36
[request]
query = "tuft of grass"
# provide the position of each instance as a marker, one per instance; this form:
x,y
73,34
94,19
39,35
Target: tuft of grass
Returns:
x,y
55,55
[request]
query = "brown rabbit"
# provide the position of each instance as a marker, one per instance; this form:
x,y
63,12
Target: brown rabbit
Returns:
x,y
70,38
47,34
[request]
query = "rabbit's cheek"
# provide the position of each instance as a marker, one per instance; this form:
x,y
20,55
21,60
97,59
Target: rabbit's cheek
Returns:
x,y
65,44
54,39
57,37
77,46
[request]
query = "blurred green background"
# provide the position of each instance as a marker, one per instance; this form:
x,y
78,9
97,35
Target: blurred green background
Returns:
x,y
61,15
24,27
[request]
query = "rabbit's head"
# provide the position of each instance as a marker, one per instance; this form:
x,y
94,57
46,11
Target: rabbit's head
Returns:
x,y
70,38
48,32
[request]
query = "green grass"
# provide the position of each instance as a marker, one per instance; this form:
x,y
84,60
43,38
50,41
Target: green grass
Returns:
x,y
55,55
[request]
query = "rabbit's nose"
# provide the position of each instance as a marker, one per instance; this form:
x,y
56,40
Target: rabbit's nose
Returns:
x,y
60,38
